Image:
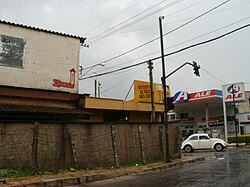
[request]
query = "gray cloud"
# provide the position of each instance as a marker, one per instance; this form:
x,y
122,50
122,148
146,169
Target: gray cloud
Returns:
x,y
227,59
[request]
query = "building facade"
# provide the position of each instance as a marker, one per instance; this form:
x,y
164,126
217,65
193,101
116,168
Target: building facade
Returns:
x,y
244,115
37,58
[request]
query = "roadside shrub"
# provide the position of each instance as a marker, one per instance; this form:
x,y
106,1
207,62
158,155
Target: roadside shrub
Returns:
x,y
241,139
8,173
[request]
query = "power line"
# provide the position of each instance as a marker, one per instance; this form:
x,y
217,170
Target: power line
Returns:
x,y
91,30
182,42
131,50
213,75
146,16
172,53
180,20
125,21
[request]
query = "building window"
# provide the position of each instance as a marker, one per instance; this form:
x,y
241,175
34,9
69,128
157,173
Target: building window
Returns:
x,y
115,116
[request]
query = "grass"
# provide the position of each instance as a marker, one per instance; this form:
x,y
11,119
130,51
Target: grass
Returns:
x,y
12,173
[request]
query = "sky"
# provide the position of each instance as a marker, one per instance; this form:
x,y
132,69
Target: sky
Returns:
x,y
126,32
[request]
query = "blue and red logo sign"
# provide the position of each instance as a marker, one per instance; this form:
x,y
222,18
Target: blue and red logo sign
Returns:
x,y
233,89
181,97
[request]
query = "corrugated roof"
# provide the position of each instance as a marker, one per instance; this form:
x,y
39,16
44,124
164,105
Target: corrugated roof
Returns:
x,y
82,39
12,108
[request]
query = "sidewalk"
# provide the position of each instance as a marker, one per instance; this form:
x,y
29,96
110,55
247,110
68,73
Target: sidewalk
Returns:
x,y
82,177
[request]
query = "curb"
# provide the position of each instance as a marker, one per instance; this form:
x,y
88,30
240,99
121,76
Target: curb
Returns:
x,y
83,177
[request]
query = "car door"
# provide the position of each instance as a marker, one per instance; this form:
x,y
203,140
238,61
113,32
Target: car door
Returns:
x,y
204,142
194,141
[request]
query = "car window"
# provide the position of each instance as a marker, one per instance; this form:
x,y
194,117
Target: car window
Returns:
x,y
204,138
194,138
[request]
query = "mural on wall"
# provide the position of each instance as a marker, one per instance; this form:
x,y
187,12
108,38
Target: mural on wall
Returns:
x,y
71,84
11,51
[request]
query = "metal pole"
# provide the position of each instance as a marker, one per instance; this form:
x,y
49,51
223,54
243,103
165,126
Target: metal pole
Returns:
x,y
224,113
235,126
167,157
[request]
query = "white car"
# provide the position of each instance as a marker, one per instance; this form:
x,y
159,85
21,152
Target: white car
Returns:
x,y
202,141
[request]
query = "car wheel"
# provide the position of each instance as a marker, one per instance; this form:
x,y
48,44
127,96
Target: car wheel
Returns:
x,y
218,147
188,149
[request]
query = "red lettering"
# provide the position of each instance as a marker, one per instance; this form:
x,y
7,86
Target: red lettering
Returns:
x,y
240,95
229,97
236,96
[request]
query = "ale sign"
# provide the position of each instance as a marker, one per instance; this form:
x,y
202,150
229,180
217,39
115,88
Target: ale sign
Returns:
x,y
234,91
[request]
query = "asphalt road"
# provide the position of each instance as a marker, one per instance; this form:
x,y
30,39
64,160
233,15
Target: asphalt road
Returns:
x,y
228,168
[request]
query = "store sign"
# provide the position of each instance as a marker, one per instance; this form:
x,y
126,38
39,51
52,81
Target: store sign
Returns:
x,y
181,97
205,95
234,91
142,92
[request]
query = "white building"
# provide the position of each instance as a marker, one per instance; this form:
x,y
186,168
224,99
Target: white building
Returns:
x,y
244,115
37,58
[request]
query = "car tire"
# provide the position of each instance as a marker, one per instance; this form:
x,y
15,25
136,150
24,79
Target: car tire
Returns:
x,y
218,147
188,149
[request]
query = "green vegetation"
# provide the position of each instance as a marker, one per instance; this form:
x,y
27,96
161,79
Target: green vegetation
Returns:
x,y
9,173
241,139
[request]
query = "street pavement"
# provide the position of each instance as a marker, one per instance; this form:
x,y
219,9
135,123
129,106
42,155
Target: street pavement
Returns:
x,y
83,177
201,168
221,169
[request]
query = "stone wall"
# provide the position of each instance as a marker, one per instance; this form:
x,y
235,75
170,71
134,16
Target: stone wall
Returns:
x,y
51,146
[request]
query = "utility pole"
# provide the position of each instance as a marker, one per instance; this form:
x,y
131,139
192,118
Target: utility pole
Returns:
x,y
150,66
99,89
167,157
95,88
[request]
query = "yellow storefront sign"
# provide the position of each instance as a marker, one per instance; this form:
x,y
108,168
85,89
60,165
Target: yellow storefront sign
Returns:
x,y
142,92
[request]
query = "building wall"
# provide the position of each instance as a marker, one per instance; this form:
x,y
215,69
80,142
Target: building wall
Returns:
x,y
138,112
244,107
53,146
47,57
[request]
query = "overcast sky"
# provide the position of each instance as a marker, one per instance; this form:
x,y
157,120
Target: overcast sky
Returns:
x,y
113,28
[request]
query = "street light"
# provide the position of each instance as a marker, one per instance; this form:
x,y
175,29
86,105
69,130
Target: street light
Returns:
x,y
167,157
81,69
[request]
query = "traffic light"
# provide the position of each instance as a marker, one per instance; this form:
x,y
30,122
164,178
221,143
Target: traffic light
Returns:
x,y
196,69
170,103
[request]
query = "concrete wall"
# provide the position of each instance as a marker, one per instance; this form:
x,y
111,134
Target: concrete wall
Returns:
x,y
244,107
54,146
47,56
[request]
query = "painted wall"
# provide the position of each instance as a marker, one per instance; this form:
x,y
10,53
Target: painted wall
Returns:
x,y
50,61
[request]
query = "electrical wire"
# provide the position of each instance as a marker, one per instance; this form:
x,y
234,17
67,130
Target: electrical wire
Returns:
x,y
213,75
180,20
172,53
144,17
91,39
131,50
236,22
136,21
114,16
